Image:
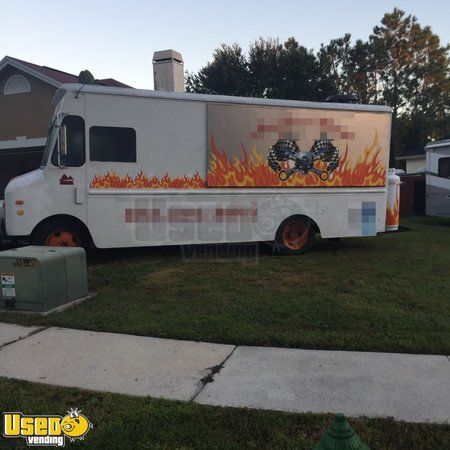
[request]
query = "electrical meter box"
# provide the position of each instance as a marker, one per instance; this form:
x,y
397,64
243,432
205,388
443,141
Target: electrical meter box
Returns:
x,y
42,278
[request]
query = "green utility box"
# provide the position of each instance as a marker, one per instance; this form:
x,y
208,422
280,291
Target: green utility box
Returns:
x,y
41,278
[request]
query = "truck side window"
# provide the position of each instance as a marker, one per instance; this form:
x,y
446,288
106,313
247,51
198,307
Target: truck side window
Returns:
x,y
444,167
112,144
75,143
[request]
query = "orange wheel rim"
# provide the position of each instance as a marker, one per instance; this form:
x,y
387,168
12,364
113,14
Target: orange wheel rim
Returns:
x,y
62,238
295,235
324,176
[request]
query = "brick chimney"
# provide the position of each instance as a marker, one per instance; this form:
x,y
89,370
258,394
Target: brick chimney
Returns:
x,y
168,71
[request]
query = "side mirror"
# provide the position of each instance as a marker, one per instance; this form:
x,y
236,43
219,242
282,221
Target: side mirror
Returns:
x,y
63,140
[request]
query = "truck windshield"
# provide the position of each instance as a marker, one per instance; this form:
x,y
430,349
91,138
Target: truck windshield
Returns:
x,y
50,144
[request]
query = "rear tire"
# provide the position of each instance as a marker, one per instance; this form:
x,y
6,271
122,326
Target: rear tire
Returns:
x,y
295,236
61,233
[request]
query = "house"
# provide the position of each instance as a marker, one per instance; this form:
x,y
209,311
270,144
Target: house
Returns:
x,y
413,161
412,191
26,92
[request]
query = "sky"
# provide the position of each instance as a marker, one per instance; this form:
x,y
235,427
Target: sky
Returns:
x,y
116,39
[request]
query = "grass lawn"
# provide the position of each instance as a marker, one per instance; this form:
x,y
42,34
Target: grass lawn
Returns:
x,y
122,422
387,293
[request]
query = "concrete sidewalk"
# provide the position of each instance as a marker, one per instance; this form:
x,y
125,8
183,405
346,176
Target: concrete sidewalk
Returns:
x,y
407,387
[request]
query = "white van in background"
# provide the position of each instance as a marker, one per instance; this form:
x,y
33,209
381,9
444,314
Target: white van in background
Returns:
x,y
438,178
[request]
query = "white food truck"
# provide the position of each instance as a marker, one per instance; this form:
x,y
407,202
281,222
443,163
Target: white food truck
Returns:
x,y
438,178
125,168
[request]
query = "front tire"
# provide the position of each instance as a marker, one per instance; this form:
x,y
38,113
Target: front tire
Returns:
x,y
295,236
61,233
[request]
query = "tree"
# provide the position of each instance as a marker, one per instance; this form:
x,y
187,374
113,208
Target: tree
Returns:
x,y
361,72
391,43
402,65
428,86
414,79
334,62
299,74
86,77
264,61
271,70
227,74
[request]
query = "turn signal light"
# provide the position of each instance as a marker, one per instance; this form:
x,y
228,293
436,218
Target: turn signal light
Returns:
x,y
19,202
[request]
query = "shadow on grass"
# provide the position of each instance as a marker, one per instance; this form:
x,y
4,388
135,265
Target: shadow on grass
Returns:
x,y
213,252
248,252
225,252
430,221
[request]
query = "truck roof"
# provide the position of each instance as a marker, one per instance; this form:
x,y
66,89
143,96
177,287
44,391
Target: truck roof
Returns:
x,y
92,89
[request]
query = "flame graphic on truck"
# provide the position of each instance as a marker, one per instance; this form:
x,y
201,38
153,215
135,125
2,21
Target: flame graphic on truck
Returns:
x,y
393,214
252,170
112,180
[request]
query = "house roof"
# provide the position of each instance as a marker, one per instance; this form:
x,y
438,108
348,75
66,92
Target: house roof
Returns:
x,y
416,156
411,151
52,76
111,82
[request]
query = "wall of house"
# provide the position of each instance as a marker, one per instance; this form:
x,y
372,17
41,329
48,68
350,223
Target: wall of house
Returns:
x,y
415,165
412,194
16,162
26,114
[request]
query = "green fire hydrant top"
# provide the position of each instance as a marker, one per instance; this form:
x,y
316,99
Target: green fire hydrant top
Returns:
x,y
341,436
